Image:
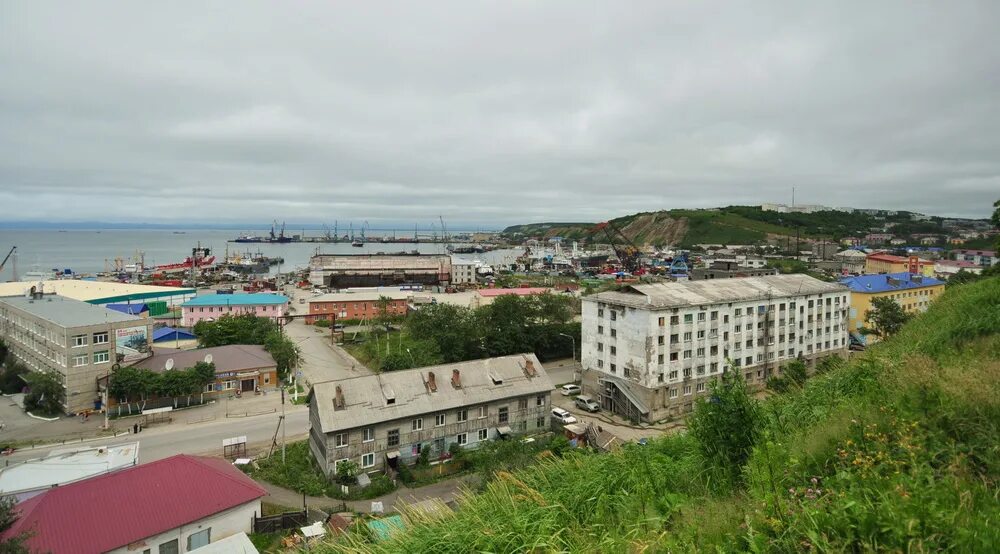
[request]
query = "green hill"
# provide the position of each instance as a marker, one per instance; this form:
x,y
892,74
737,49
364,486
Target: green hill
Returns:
x,y
731,225
896,450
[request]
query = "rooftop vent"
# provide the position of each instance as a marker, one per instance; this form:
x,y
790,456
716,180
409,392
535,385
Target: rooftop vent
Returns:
x,y
497,380
431,382
388,393
338,400
529,367
456,379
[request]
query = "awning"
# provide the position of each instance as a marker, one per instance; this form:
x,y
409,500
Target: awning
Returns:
x,y
504,430
392,455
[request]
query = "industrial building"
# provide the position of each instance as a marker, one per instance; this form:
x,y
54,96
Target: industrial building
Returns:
x,y
356,305
76,341
913,291
102,293
729,270
390,418
649,351
342,271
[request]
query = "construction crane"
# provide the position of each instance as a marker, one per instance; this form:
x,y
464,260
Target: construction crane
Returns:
x,y
625,249
3,264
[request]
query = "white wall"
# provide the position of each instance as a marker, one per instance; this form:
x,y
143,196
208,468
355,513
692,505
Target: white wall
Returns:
x,y
223,524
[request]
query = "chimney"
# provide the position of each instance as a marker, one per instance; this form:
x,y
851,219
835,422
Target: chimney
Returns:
x,y
529,367
338,400
456,379
431,383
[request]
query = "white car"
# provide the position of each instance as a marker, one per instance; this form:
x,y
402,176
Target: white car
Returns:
x,y
569,390
562,416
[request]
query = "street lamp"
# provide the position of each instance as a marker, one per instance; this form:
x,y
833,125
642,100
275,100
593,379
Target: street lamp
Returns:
x,y
572,338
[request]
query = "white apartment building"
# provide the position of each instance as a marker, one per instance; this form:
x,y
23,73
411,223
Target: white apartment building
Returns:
x,y
648,351
463,272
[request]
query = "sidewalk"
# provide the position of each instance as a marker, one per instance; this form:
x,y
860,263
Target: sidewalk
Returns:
x,y
447,490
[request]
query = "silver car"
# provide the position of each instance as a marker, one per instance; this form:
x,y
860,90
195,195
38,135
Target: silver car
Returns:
x,y
587,403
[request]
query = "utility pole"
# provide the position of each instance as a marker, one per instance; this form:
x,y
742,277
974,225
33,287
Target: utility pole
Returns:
x,y
282,425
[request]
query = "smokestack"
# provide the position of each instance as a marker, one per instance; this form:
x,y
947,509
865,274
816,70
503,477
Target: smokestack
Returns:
x,y
431,383
529,367
338,401
456,379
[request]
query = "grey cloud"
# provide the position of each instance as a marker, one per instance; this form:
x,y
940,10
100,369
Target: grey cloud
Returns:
x,y
493,113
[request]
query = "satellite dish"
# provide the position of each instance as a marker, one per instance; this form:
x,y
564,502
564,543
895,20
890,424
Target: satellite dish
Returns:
x,y
208,358
170,364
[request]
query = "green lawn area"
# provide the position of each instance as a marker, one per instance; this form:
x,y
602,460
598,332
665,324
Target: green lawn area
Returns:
x,y
300,473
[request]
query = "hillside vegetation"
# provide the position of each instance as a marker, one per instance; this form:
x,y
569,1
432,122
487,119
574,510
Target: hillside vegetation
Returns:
x,y
895,450
730,225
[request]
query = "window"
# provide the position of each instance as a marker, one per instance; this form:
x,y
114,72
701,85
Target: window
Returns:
x,y
673,339
483,411
687,372
673,393
659,358
673,374
462,415
340,440
392,437
80,360
600,312
79,340
439,420
368,460
600,347
673,320
662,321
369,434
102,357
502,415
483,434
687,354
600,363
701,316
714,316
100,338
540,400
199,539
613,367
614,333
700,387
169,547
701,352
688,318
417,424
614,315
660,340
738,312
687,390
701,334
687,336
600,329
522,403
463,438
614,350
660,378
673,356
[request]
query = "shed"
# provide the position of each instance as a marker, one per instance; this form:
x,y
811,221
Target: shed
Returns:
x,y
165,334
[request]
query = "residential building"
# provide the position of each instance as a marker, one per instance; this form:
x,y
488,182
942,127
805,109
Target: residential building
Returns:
x,y
243,367
803,208
390,418
888,263
944,269
984,258
73,340
210,307
851,260
914,292
463,272
649,351
172,505
878,238
728,270
356,305
341,271
30,478
898,242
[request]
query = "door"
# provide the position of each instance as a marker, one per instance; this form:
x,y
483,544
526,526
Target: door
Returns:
x,y
247,385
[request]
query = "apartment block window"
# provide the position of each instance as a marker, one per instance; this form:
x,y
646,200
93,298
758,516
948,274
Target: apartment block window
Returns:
x,y
701,334
810,303
673,356
714,367
625,372
369,434
100,338
749,343
600,329
417,424
614,350
791,351
688,318
673,393
80,360
674,320
79,340
687,336
760,357
340,440
600,312
738,328
714,316
738,312
483,412
392,438
662,321
463,438
700,387
522,403
600,347
462,415
687,372
701,352
714,350
614,333
749,360
673,338
614,315
368,460
540,422
701,370
687,390
613,367
659,358
701,316
673,374
102,357
660,378
687,354
600,363
725,318
660,339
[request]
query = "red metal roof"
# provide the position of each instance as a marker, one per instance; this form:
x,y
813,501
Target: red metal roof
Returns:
x,y
117,509
893,258
522,291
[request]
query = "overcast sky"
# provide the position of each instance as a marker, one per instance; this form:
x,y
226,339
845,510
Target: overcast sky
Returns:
x,y
492,113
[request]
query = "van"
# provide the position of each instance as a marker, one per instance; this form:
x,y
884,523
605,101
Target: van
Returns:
x,y
587,403
568,390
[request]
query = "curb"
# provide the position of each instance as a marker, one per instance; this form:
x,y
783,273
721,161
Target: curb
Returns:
x,y
69,443
42,418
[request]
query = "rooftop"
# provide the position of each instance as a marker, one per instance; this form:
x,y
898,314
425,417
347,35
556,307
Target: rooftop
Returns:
x,y
882,257
889,282
361,296
376,262
232,357
521,291
66,312
239,543
367,398
712,291
252,299
134,504
95,292
66,466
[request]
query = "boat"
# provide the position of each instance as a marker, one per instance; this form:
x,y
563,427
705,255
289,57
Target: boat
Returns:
x,y
248,238
200,258
357,243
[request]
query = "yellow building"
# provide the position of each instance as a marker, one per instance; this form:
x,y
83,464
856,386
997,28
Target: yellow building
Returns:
x,y
887,263
914,292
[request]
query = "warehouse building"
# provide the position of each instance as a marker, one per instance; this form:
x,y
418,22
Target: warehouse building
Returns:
x,y
649,351
340,271
102,293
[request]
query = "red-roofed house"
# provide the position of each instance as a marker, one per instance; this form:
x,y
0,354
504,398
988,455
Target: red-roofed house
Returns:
x,y
165,507
888,263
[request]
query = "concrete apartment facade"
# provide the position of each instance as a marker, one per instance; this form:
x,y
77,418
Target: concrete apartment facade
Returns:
x,y
210,307
649,351
355,305
463,272
388,419
74,340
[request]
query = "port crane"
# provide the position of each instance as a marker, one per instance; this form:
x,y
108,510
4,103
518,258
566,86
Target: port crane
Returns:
x,y
3,264
625,249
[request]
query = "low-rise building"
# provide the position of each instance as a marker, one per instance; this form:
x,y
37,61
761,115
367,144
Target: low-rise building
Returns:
x,y
356,305
728,270
242,367
210,307
888,263
914,292
390,418
648,351
878,238
341,271
176,504
60,467
983,258
76,341
944,269
102,293
463,272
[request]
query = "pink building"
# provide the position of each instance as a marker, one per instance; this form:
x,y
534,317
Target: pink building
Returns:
x,y
214,306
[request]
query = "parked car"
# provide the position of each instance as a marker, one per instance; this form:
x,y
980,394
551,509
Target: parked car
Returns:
x,y
568,390
562,416
587,403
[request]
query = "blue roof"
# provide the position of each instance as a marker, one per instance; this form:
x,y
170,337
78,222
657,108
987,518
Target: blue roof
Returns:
x,y
130,309
882,282
169,333
254,299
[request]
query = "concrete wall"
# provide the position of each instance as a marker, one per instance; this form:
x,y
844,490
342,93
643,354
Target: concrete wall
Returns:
x,y
222,525
354,309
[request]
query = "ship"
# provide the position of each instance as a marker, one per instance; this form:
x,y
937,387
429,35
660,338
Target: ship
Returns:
x,y
271,238
248,238
357,242
200,258
250,263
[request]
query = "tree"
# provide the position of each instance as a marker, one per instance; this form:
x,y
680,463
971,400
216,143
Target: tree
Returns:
x,y
382,316
45,394
727,425
885,318
995,219
8,515
12,377
346,471
250,329
284,352
794,375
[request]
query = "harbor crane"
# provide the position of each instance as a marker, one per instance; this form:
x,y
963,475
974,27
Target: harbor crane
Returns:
x,y
3,264
625,249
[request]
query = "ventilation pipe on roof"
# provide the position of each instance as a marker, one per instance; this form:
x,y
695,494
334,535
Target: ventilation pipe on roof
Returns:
x,y
456,379
529,367
431,382
338,400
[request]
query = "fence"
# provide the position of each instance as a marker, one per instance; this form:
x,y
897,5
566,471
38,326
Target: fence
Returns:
x,y
279,522
135,408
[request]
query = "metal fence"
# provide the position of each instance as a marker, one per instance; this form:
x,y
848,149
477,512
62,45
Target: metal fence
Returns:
x,y
279,522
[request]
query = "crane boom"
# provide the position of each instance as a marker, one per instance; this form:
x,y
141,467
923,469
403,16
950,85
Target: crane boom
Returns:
x,y
625,249
9,254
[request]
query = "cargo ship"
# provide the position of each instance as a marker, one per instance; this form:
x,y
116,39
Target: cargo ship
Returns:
x,y
200,258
